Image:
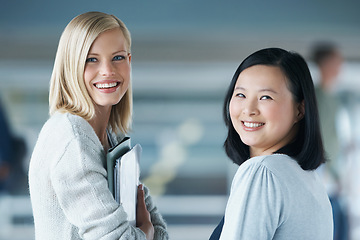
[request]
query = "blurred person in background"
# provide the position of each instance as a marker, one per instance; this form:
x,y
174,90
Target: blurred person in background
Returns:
x,y
13,179
328,59
5,150
91,108
274,136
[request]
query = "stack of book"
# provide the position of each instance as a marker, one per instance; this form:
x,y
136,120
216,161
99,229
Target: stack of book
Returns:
x,y
123,175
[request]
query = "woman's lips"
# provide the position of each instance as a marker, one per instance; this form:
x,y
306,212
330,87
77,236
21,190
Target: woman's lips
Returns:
x,y
107,86
250,126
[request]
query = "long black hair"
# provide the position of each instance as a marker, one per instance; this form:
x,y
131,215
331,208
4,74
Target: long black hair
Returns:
x,y
307,147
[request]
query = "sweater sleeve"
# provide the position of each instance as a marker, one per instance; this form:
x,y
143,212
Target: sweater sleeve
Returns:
x,y
255,206
80,184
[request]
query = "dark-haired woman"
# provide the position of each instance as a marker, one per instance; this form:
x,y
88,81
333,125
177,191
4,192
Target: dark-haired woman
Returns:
x,y
274,136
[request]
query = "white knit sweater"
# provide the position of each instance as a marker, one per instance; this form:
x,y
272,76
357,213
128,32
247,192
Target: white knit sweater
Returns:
x,y
68,186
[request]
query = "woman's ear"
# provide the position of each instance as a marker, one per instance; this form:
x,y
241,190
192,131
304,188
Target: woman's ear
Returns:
x,y
301,111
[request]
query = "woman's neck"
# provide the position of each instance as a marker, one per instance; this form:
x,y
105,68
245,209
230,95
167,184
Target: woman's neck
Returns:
x,y
100,123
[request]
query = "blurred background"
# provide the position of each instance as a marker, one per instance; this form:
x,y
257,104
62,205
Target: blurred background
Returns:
x,y
184,55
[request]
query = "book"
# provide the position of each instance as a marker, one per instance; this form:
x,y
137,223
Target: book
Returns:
x,y
123,175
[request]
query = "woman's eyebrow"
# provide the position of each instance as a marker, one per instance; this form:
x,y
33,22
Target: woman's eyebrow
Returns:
x,y
239,88
97,54
268,90
260,90
120,51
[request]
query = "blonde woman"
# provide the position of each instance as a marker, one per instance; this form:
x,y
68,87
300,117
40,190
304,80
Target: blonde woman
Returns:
x,y
90,107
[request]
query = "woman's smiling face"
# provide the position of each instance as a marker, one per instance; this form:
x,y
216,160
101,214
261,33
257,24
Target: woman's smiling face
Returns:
x,y
107,68
263,111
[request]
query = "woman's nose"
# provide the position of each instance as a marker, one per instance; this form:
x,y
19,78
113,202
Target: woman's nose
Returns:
x,y
107,69
250,108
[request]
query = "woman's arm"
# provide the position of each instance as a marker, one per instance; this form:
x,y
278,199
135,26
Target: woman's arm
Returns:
x,y
255,204
80,183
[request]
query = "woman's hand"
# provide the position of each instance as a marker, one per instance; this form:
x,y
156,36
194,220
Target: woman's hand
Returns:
x,y
143,220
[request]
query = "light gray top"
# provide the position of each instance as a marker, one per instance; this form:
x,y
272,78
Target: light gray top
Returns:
x,y
272,197
69,190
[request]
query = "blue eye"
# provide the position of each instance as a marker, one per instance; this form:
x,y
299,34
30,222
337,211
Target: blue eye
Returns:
x,y
119,58
91,60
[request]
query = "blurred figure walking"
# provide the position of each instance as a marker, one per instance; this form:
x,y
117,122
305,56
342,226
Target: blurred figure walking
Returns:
x,y
12,151
329,60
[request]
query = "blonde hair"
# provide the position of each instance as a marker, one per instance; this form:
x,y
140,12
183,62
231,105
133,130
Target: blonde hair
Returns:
x,y
68,92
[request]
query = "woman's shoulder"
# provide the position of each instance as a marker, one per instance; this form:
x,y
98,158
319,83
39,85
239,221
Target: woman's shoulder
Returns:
x,y
272,162
76,122
281,167
64,119
256,171
276,165
256,177
66,126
